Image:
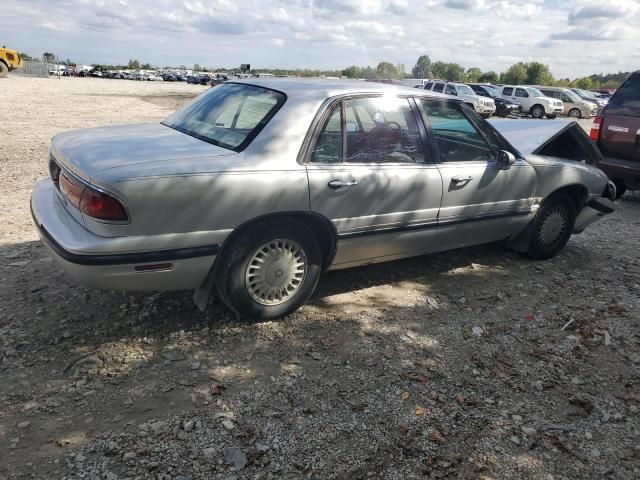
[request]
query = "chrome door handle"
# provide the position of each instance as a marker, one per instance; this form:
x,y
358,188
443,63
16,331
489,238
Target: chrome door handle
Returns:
x,y
336,184
458,179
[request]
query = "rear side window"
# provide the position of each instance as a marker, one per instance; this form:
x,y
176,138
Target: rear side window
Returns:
x,y
328,148
230,115
382,130
507,91
626,100
428,85
456,137
438,87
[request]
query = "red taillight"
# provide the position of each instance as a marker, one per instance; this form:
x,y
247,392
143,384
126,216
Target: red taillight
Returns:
x,y
71,189
594,133
101,206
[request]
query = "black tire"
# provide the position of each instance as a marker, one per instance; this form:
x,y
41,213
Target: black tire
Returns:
x,y
551,117
4,70
234,263
546,238
537,111
621,187
575,113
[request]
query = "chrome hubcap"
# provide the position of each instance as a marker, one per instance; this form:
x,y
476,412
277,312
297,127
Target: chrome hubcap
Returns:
x,y
553,227
574,113
275,272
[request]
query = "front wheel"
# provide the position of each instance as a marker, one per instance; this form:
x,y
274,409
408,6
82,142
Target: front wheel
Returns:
x,y
269,270
4,70
537,111
552,227
575,113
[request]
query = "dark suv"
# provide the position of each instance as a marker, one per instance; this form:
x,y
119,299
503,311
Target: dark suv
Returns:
x,y
504,107
617,132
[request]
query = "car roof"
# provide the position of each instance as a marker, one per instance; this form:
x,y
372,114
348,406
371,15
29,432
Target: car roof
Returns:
x,y
321,89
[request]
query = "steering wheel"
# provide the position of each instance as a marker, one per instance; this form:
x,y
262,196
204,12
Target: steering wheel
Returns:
x,y
396,125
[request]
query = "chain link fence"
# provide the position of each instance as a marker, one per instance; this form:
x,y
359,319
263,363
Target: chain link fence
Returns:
x,y
34,68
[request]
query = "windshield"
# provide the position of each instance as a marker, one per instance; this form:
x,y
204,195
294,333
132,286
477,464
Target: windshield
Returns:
x,y
492,92
586,94
573,96
229,115
465,89
534,92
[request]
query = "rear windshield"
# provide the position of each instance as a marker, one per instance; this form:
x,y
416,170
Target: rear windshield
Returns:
x,y
229,115
626,100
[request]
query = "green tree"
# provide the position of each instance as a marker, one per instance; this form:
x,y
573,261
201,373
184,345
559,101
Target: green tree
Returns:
x,y
489,77
422,68
134,64
352,72
517,74
473,74
146,66
539,74
196,67
387,70
402,71
585,83
25,56
439,70
454,72
48,57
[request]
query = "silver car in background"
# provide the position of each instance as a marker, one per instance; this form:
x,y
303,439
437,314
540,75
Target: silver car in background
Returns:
x,y
256,187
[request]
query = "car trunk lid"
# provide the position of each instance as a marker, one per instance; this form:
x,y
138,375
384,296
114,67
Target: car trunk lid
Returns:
x,y
88,152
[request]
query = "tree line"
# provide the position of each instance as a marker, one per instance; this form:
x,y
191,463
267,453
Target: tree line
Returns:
x,y
521,73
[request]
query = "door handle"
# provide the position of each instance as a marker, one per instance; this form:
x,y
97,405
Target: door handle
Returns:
x,y
336,184
458,179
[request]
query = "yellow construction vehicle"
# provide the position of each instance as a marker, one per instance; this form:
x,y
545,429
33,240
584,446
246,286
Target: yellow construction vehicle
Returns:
x,y
9,60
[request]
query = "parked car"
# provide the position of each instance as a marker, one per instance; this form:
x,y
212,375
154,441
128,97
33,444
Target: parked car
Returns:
x,y
533,101
590,97
574,105
483,105
617,132
258,186
504,107
168,77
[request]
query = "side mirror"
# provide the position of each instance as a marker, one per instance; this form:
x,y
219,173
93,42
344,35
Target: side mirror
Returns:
x,y
505,160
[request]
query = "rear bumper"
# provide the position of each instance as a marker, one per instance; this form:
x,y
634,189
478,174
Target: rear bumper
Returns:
x,y
67,241
620,168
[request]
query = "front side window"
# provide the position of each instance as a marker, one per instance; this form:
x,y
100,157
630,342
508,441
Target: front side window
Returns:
x,y
507,91
428,85
229,115
450,90
456,137
520,92
381,130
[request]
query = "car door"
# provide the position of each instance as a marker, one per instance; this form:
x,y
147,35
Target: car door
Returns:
x,y
369,175
451,90
476,191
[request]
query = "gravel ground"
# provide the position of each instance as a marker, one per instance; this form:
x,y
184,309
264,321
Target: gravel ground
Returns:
x,y
474,364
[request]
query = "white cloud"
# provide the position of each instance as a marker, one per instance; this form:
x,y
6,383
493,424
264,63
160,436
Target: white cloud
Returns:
x,y
575,37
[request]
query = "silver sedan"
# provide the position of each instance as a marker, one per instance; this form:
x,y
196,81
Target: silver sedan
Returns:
x,y
257,187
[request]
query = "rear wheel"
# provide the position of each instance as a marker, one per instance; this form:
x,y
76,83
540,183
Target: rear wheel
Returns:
x,y
552,227
4,70
621,187
537,111
269,270
575,113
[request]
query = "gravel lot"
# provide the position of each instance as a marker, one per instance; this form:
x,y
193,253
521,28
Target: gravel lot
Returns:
x,y
475,363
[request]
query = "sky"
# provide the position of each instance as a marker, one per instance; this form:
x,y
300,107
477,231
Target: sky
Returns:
x,y
574,37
